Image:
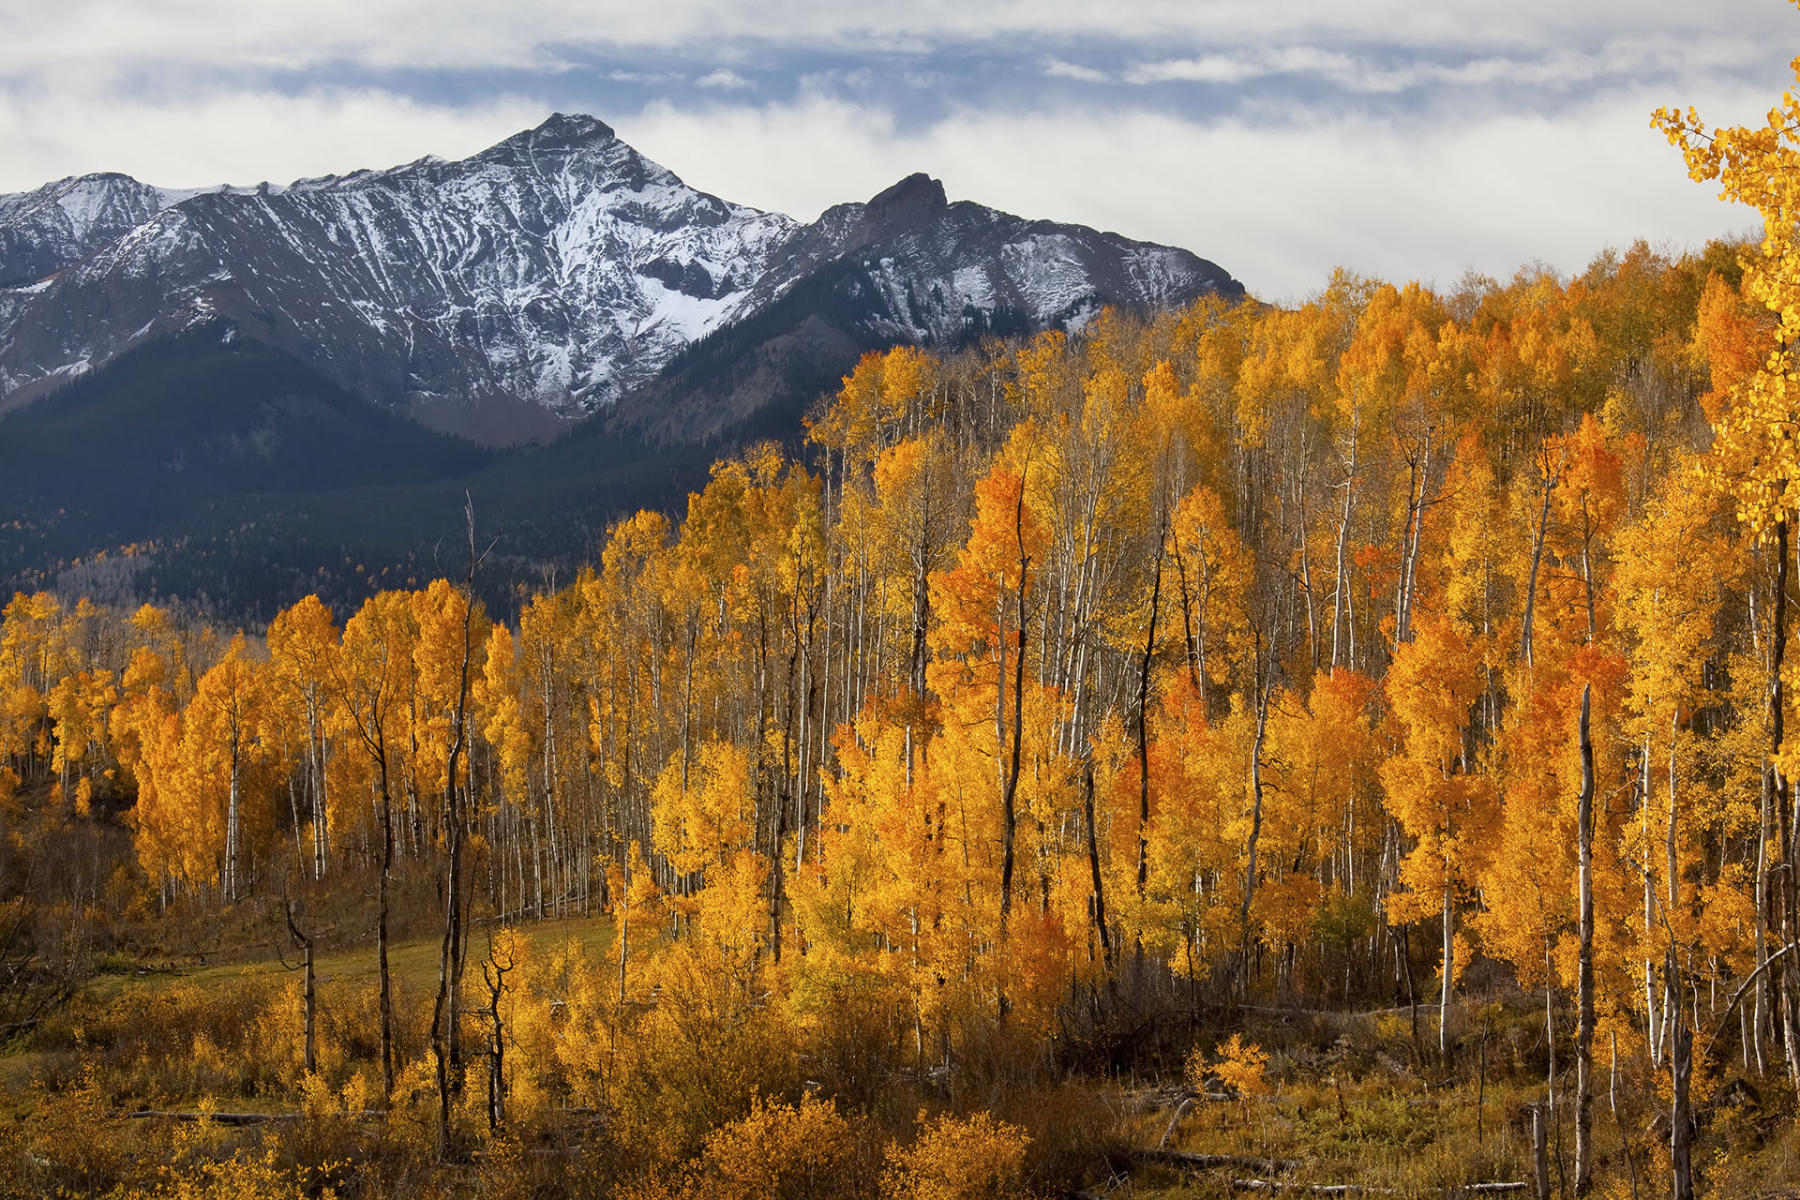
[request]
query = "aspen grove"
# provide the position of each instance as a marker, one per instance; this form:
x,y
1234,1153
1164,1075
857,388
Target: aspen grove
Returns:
x,y
1316,658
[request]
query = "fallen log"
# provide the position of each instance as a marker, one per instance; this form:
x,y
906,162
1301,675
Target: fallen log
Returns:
x,y
1181,1111
1363,1189
220,1118
1311,1189
1206,1162
1275,1166
1149,1101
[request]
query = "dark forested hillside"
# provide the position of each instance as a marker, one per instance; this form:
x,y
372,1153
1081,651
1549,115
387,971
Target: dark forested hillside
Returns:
x,y
228,475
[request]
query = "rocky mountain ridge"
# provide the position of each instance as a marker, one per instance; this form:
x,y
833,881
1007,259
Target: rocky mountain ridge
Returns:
x,y
505,296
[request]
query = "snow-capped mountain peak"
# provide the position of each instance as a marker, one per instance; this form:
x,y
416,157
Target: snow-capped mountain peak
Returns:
x,y
502,295
558,132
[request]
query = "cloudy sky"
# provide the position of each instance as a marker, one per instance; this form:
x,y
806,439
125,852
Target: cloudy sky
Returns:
x,y
1405,140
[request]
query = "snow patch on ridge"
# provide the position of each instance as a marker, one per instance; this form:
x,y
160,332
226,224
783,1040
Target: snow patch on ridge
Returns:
x,y
559,265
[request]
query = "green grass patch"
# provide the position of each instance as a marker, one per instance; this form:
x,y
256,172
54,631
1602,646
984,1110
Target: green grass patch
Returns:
x,y
412,963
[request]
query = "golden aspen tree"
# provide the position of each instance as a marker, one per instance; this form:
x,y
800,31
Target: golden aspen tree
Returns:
x,y
1210,414
444,661
543,628
1538,888
1044,376
1469,578
78,707
439,612
1444,806
704,820
27,662
1588,505
1214,578
509,736
885,399
222,792
146,705
1326,826
160,833
1730,338
986,601
627,610
371,687
1188,914
1287,375
1440,358
1674,570
1755,457
879,908
801,584
1378,374
303,644
915,520
1561,731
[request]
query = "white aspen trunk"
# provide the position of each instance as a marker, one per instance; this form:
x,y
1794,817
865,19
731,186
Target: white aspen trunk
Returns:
x,y
1342,616
1584,1003
232,832
1653,1025
1449,970
1551,479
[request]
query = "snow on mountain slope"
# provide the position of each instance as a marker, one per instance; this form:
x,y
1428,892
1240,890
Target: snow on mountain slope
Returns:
x,y
61,223
558,267
505,294
940,268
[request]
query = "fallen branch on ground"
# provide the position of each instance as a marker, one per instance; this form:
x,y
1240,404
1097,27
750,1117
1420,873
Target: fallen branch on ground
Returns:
x,y
1180,1158
221,1118
1363,1189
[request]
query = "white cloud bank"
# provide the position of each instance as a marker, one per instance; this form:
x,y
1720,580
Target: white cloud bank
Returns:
x,y
1277,205
723,78
239,136
486,33
1290,184
1557,67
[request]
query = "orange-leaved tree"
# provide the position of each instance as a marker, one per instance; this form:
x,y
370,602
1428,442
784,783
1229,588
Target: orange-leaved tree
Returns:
x,y
1440,801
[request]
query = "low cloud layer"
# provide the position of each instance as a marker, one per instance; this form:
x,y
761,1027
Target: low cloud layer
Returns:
x,y
1278,140
534,33
1277,205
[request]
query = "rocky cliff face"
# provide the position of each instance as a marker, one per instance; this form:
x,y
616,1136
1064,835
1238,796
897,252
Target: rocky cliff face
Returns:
x,y
506,295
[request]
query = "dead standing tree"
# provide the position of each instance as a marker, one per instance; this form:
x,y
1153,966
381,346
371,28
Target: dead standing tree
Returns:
x,y
444,1048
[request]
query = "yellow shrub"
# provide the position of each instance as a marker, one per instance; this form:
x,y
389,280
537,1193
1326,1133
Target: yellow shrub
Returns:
x,y
781,1151
276,1039
413,1109
69,1147
690,1062
970,1158
1242,1067
241,1177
